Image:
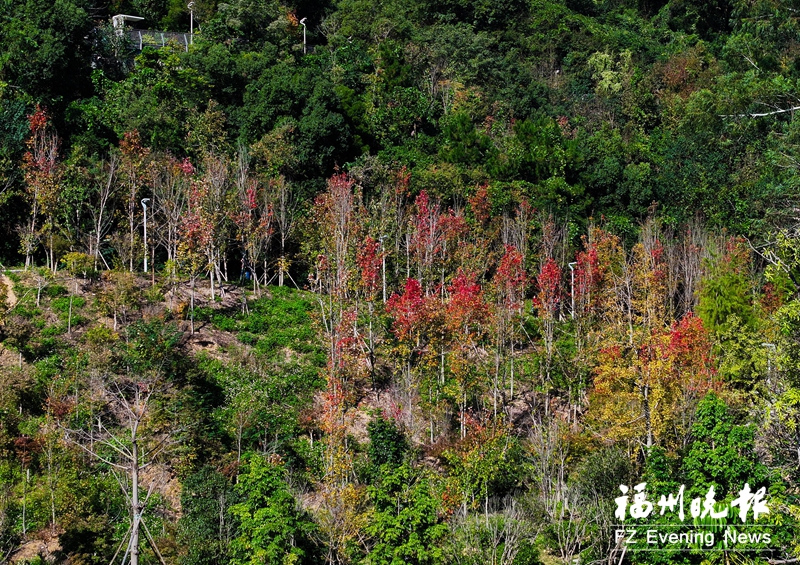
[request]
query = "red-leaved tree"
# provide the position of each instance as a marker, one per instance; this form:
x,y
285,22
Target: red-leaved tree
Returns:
x,y
508,286
42,179
467,320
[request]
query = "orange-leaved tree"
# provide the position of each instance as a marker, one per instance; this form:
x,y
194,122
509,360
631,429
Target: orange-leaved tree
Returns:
x,y
650,397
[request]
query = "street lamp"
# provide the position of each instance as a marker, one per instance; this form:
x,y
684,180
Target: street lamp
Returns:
x,y
572,286
303,23
144,205
383,266
191,22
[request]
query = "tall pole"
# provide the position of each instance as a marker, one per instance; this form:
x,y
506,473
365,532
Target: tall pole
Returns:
x,y
303,23
191,22
572,286
144,205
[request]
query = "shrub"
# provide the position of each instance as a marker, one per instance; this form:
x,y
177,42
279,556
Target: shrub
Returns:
x,y
387,442
53,331
247,338
154,295
224,323
55,290
80,264
100,335
61,305
203,314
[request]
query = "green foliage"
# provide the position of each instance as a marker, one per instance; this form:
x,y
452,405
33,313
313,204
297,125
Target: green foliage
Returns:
x,y
722,451
503,533
63,304
742,355
89,500
203,314
224,323
604,469
487,464
482,14
258,26
44,50
281,321
788,322
263,403
463,143
153,295
55,290
301,96
150,346
80,264
13,128
99,335
155,99
119,295
387,444
206,524
723,295
247,338
271,530
405,522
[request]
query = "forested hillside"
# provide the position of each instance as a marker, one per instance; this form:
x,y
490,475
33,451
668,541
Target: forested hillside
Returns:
x,y
400,282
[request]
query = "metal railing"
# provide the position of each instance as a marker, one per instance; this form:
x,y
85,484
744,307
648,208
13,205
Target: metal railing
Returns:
x,y
141,38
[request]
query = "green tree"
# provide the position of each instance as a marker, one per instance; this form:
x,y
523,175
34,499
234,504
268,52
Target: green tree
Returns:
x,y
387,442
724,294
206,526
13,129
464,144
405,523
723,451
44,49
271,530
305,98
155,99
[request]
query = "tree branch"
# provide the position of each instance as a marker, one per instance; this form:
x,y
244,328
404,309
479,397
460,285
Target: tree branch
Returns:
x,y
761,115
67,437
152,542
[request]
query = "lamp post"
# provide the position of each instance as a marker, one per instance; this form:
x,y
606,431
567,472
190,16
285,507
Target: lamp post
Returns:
x,y
383,266
572,286
303,23
191,22
144,205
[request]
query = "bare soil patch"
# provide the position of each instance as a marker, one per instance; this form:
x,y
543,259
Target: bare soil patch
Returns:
x,y
11,298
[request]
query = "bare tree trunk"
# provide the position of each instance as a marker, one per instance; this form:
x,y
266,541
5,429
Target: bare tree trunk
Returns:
x,y
51,487
192,305
69,316
26,475
30,236
512,369
647,417
211,278
129,452
135,509
99,211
